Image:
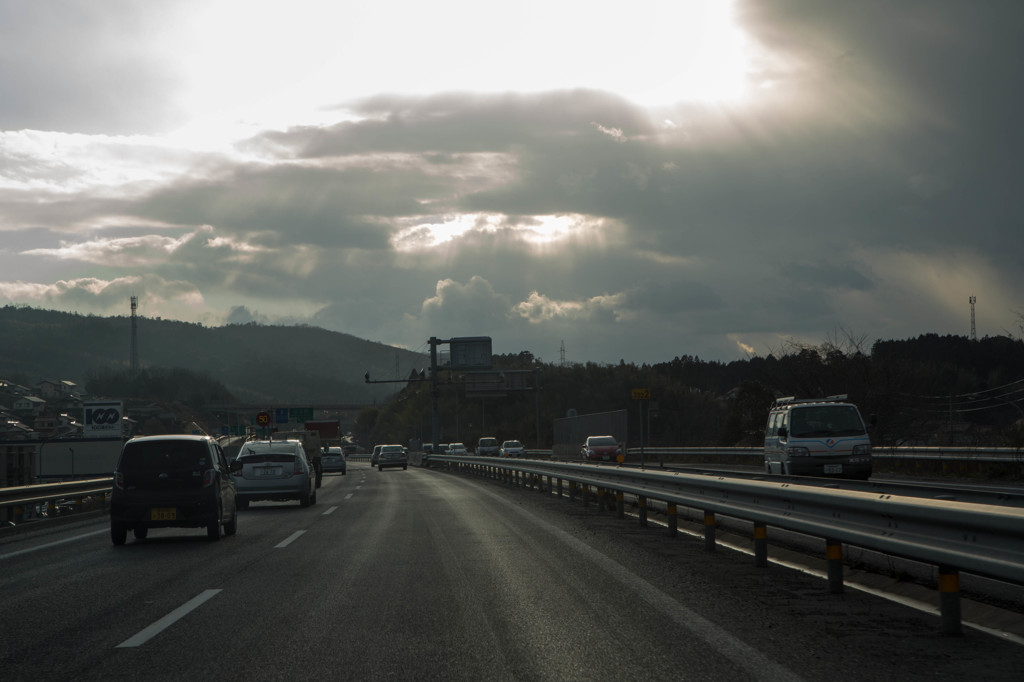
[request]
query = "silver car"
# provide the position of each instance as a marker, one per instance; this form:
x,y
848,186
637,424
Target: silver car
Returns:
x,y
334,461
274,470
512,448
392,456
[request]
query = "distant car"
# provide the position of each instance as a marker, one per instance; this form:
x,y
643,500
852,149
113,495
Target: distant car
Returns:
x,y
179,481
457,449
600,449
274,470
512,448
334,461
392,456
375,455
487,447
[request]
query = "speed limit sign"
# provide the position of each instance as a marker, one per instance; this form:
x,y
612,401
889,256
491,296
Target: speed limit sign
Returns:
x,y
263,419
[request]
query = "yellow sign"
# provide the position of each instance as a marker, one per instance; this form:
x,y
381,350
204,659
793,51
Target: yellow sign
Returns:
x,y
641,394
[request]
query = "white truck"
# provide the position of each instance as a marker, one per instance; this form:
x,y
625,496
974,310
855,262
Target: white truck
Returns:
x,y
816,437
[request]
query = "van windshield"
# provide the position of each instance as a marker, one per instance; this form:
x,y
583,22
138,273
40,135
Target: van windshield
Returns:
x,y
825,421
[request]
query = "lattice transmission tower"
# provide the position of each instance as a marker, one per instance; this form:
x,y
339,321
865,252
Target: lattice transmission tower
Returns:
x,y
974,331
133,355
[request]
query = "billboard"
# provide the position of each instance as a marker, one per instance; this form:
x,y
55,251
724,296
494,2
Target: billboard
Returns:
x,y
470,352
102,420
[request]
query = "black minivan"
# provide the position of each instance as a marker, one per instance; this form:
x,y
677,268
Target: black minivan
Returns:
x,y
172,481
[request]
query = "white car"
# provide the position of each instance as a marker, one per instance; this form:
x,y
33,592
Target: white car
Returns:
x,y
334,460
512,448
457,449
273,470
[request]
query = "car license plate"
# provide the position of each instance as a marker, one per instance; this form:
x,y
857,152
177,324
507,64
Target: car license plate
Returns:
x,y
163,514
270,471
833,468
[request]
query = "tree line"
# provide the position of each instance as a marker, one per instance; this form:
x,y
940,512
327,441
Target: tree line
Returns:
x,y
932,390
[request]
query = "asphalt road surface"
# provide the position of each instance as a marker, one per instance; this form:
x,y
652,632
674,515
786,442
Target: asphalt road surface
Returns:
x,y
425,575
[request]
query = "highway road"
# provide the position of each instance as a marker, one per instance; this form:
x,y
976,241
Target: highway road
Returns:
x,y
425,575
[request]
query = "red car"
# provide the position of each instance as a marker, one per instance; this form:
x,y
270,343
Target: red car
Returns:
x,y
601,449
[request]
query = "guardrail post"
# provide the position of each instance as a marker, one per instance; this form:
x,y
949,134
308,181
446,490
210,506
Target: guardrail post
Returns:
x,y
584,489
949,600
620,504
559,487
673,520
572,491
760,544
834,556
709,531
642,509
600,500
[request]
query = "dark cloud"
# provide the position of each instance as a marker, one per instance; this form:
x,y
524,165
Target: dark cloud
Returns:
x,y
873,187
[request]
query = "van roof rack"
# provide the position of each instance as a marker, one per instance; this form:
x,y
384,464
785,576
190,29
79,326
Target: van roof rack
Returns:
x,y
793,400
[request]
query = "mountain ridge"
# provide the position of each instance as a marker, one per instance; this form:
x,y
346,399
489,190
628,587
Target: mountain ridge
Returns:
x,y
256,363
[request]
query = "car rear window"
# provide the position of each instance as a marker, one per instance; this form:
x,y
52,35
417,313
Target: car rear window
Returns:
x,y
603,441
163,455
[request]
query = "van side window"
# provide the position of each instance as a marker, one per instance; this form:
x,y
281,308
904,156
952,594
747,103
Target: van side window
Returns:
x,y
773,425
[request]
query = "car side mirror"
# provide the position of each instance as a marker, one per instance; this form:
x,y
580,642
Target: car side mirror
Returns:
x,y
783,432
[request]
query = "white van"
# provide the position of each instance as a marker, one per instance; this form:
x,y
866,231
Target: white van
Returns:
x,y
816,437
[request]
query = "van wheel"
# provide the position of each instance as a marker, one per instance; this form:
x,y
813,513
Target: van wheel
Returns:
x,y
213,529
118,533
231,527
141,532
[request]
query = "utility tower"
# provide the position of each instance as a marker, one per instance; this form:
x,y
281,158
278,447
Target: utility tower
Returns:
x,y
562,353
133,357
974,331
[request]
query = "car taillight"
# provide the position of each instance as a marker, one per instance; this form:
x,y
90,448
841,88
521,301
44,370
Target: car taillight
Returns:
x,y
209,477
119,480
298,468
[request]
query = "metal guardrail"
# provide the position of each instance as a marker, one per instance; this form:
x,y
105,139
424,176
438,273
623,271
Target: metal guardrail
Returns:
x,y
929,453
982,540
13,501
44,492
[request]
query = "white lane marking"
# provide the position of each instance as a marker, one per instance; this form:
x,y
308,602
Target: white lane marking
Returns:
x,y
290,539
330,510
349,496
174,616
51,544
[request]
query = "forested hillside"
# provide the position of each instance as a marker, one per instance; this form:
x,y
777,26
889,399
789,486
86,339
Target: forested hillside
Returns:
x,y
256,363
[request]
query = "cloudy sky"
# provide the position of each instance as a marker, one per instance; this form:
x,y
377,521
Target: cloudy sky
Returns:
x,y
635,181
